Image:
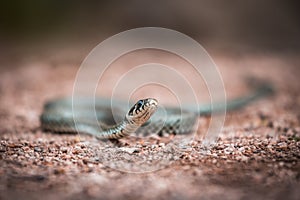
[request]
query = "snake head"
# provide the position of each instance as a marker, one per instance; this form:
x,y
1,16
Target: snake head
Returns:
x,y
142,111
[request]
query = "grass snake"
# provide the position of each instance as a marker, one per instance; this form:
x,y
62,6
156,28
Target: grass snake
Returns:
x,y
96,116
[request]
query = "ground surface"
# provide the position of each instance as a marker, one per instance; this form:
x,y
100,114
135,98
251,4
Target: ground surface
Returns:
x,y
256,157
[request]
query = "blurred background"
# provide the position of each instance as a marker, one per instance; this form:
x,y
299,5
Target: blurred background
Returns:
x,y
44,42
50,27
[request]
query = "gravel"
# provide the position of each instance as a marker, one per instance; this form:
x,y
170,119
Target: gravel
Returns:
x,y
256,156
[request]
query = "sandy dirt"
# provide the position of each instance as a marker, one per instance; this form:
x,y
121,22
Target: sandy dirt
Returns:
x,y
256,157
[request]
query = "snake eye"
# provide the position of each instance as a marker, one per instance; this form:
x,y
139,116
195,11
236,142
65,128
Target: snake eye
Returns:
x,y
140,103
136,107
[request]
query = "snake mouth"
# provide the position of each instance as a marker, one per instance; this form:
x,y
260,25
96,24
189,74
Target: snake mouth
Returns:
x,y
152,102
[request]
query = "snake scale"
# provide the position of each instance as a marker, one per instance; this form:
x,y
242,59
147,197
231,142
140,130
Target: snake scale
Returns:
x,y
95,116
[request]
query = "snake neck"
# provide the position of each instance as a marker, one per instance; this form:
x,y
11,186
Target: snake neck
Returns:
x,y
123,129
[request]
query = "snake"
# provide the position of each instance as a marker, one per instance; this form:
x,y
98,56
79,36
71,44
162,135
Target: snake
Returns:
x,y
97,117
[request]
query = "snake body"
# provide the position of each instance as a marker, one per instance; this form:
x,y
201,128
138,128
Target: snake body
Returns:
x,y
96,116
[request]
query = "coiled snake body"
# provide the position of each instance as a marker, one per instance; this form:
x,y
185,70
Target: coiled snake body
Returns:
x,y
59,116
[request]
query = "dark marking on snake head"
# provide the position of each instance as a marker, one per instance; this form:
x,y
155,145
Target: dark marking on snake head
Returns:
x,y
140,103
137,107
131,110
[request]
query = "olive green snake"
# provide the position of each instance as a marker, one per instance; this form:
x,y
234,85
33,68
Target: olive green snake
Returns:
x,y
99,119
